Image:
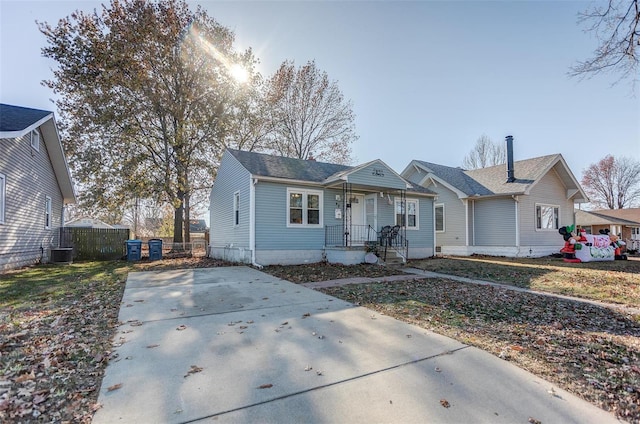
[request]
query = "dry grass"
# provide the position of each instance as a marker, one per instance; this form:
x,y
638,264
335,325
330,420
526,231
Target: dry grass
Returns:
x,y
613,281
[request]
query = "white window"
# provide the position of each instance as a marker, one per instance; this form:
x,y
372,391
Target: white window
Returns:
x,y
547,217
47,212
439,211
407,216
35,140
3,196
236,208
304,208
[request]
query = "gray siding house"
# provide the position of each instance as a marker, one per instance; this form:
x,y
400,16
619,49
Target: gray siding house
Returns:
x,y
269,209
513,210
35,186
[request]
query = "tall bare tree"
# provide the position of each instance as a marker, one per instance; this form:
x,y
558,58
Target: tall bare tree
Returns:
x,y
309,115
146,95
613,183
616,25
485,153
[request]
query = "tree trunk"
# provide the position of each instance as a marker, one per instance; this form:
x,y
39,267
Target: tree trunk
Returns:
x,y
178,220
187,219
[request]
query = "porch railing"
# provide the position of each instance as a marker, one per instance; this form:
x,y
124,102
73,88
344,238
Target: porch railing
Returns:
x,y
355,235
388,239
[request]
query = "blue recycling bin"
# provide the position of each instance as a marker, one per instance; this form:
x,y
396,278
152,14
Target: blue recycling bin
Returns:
x,y
155,249
134,250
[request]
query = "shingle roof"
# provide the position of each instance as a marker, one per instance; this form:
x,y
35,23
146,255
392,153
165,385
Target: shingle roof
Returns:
x,y
18,118
265,165
526,172
493,180
628,217
457,178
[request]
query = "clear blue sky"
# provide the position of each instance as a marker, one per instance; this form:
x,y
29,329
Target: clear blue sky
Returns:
x,y
426,78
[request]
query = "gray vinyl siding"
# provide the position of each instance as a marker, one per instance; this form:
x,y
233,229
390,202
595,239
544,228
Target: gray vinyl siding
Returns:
x,y
232,177
370,177
454,218
495,222
424,236
272,232
30,178
548,191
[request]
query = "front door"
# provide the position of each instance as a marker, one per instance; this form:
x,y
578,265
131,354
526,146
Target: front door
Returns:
x,y
357,230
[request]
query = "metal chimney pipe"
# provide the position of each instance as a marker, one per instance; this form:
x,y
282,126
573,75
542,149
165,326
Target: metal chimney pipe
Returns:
x,y
510,173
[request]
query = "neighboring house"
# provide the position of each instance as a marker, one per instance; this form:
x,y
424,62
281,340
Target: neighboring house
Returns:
x,y
197,228
625,223
275,210
87,222
510,210
35,186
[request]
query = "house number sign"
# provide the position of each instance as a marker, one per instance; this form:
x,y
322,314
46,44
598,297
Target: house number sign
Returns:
x,y
378,172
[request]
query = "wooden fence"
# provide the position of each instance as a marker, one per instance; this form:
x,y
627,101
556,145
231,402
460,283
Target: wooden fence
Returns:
x,y
95,243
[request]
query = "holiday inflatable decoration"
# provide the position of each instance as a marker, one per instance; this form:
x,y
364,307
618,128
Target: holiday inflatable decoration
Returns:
x,y
617,244
589,247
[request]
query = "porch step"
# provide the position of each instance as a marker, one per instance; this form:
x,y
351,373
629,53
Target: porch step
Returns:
x,y
393,259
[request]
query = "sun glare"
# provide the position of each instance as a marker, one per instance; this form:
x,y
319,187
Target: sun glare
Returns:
x,y
239,73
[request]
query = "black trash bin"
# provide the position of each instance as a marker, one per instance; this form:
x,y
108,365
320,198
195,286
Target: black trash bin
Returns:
x,y
134,250
155,249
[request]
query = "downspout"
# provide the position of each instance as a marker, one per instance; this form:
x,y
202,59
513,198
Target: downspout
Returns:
x,y
252,222
466,223
433,213
516,201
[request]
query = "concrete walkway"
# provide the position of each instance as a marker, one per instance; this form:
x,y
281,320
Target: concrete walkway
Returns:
x,y
236,345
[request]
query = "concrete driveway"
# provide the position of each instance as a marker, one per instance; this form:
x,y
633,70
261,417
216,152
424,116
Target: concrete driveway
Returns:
x,y
237,345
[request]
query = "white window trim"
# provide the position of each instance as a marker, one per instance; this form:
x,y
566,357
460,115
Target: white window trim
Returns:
x,y
236,209
444,221
35,140
47,213
3,196
406,216
535,217
305,193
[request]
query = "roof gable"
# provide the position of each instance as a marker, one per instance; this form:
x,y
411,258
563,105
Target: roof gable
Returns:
x,y
456,178
17,121
375,173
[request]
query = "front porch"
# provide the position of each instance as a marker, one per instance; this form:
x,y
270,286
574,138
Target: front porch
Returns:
x,y
349,245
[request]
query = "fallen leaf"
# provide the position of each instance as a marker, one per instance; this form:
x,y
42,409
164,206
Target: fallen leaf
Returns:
x,y
534,421
265,386
114,387
194,369
25,377
445,403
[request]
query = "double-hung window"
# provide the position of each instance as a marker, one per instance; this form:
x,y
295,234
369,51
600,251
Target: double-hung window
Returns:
x,y
47,212
35,140
236,208
439,212
304,208
547,217
407,214
3,196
